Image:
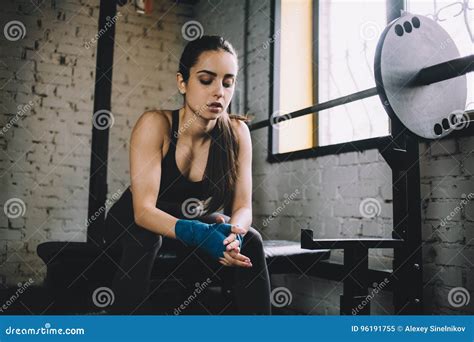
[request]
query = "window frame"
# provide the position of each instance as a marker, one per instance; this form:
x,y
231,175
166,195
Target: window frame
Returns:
x,y
393,10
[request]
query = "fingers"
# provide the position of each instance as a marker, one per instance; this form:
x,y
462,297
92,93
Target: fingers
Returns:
x,y
237,259
233,245
224,262
230,238
220,219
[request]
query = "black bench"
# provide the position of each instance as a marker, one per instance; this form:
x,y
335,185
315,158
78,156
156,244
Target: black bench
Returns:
x,y
76,269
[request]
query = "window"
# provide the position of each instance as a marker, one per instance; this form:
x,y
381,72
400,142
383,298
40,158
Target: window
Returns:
x,y
294,76
348,35
324,50
457,18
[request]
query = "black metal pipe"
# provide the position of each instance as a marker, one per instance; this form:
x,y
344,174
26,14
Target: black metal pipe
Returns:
x,y
317,108
436,73
446,70
100,137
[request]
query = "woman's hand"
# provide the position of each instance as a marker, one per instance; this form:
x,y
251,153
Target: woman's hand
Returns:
x,y
231,242
232,256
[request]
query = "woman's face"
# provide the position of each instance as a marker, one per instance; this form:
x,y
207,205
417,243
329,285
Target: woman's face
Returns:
x,y
211,84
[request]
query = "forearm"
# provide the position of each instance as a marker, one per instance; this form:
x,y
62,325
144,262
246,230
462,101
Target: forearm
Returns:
x,y
242,217
157,221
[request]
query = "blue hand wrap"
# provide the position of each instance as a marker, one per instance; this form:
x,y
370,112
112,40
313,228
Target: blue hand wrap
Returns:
x,y
238,236
208,237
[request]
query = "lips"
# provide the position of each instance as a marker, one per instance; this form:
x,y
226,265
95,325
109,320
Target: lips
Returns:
x,y
215,105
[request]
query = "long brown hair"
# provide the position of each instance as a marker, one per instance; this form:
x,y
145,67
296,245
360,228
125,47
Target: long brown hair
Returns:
x,y
222,164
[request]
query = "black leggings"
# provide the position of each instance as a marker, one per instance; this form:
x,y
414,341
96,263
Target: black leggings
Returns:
x,y
249,287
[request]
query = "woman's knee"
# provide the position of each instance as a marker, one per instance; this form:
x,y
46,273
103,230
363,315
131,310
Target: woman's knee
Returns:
x,y
253,238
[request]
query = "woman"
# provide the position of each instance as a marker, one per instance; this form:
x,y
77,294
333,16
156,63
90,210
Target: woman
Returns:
x,y
186,165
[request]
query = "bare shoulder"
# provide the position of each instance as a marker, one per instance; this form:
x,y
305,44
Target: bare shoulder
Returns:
x,y
153,123
240,129
152,127
155,119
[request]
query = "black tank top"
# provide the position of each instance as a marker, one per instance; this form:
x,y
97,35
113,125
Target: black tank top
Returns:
x,y
174,186
175,191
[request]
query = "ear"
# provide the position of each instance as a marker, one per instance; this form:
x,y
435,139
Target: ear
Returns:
x,y
181,83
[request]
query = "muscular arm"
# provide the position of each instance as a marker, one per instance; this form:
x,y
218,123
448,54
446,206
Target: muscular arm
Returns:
x,y
146,146
242,201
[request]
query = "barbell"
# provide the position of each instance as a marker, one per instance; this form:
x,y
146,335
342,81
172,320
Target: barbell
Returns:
x,y
420,79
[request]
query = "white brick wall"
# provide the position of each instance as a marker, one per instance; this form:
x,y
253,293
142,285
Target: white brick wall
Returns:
x,y
45,156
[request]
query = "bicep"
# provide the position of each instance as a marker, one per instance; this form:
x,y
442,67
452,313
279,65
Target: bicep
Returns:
x,y
146,144
243,187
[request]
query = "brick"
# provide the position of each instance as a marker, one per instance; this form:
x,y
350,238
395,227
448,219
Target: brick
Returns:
x,y
469,233
451,187
469,211
379,173
450,166
450,233
466,145
442,210
9,234
347,208
443,147
347,174
351,228
53,102
360,189
368,156
348,158
452,255
372,229
468,165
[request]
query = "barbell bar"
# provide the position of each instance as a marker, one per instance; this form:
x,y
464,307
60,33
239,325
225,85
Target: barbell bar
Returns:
x,y
410,91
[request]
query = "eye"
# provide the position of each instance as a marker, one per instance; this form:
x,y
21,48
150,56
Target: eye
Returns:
x,y
228,84
205,81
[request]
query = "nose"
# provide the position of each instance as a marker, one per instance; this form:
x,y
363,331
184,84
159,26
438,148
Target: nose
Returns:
x,y
218,90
